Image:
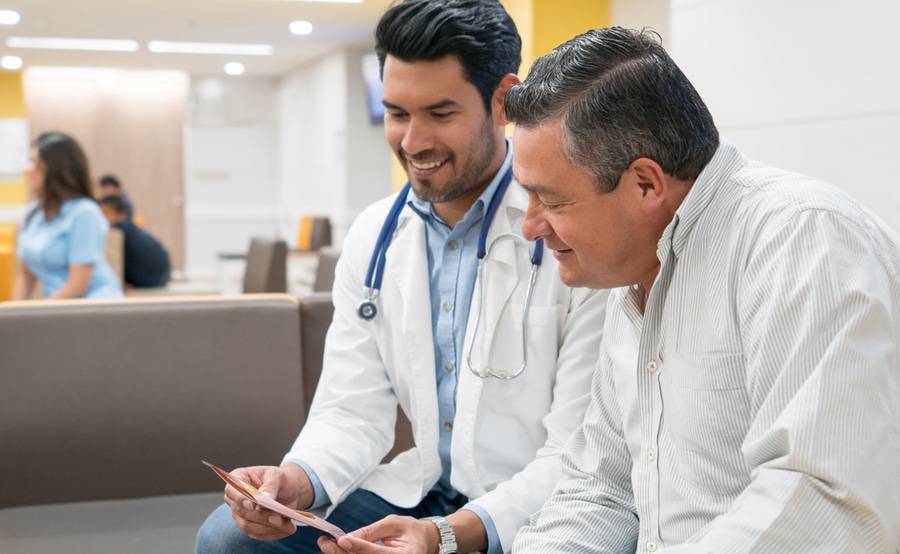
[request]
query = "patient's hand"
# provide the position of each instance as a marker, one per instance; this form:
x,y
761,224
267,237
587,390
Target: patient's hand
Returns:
x,y
398,535
287,484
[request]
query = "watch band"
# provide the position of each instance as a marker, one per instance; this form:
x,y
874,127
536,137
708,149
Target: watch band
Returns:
x,y
448,537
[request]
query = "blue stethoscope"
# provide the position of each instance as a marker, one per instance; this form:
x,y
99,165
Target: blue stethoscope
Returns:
x,y
368,308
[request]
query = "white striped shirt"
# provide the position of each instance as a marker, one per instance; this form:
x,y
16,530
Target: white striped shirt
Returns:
x,y
755,405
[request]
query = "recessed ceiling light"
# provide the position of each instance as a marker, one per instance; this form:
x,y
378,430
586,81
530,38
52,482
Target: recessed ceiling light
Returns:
x,y
166,47
234,68
9,17
301,27
11,63
53,43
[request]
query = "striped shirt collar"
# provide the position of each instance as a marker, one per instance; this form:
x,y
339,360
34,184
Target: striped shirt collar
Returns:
x,y
723,164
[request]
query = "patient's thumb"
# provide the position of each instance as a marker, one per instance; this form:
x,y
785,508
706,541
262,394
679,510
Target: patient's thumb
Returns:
x,y
269,485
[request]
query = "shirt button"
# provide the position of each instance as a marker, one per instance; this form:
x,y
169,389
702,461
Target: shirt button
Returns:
x,y
449,367
651,366
651,455
448,426
447,306
651,546
452,245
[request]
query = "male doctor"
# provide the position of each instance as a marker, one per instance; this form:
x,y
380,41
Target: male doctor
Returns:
x,y
487,448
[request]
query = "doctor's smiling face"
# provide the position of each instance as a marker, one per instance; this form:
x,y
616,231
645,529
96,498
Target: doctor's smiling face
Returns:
x,y
437,125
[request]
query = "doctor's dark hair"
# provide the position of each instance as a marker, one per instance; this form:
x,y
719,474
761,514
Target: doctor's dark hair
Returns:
x,y
67,175
479,33
620,97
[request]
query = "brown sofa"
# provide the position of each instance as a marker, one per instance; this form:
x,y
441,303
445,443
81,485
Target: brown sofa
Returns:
x,y
110,406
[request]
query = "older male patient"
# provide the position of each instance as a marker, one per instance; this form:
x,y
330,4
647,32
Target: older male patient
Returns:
x,y
748,387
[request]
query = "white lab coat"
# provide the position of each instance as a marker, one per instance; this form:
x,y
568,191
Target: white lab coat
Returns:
x,y
507,434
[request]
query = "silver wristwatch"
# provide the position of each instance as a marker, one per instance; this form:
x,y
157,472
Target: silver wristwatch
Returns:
x,y
448,537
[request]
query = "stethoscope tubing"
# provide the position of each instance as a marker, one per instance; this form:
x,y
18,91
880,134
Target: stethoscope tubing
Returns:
x,y
368,308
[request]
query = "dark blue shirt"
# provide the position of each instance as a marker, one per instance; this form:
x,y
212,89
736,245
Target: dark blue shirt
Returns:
x,y
146,261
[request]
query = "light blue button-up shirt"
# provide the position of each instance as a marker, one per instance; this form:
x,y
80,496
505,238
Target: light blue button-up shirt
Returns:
x,y
76,236
452,270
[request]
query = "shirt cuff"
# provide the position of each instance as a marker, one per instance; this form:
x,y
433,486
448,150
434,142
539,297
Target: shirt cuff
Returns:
x,y
320,497
494,546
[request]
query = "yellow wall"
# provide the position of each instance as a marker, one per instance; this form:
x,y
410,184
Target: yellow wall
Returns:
x,y
545,24
7,259
557,21
12,95
12,105
13,192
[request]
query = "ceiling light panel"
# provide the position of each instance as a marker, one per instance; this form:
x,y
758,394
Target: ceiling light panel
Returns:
x,y
234,68
167,47
54,43
9,17
301,27
11,63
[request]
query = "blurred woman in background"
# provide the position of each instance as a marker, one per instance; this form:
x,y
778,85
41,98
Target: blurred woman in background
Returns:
x,y
62,242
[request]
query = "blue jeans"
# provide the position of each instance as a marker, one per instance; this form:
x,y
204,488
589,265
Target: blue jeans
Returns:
x,y
219,534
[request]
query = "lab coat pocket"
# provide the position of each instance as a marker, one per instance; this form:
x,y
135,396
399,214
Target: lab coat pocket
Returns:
x,y
508,353
705,413
510,412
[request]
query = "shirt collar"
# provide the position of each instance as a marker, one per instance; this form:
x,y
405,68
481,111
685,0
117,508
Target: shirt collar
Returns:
x,y
724,163
425,209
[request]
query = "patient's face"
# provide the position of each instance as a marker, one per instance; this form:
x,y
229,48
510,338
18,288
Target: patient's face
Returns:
x,y
593,235
437,125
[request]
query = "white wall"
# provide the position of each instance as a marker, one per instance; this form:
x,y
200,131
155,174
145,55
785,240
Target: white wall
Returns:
x,y
640,14
231,168
334,162
368,154
807,85
262,153
313,142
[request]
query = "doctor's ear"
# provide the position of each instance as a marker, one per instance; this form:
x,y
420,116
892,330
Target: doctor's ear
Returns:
x,y
498,100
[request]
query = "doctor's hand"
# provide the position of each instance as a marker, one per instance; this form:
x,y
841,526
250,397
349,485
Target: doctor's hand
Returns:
x,y
398,535
287,484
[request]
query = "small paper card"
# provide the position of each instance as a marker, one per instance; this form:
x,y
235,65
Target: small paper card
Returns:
x,y
266,501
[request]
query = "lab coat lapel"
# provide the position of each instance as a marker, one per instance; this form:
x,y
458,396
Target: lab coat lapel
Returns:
x,y
408,255
500,272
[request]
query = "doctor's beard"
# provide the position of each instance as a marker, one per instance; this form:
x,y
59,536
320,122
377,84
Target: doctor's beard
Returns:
x,y
464,180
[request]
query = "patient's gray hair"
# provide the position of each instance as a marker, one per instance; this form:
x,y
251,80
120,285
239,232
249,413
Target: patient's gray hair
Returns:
x,y
620,97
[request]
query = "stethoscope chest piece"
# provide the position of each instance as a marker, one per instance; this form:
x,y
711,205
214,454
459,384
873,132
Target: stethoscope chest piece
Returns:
x,y
367,310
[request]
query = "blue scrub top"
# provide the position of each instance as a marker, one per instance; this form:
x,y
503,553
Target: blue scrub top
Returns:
x,y
77,236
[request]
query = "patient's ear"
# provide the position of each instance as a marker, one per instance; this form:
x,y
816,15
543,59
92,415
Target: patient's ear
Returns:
x,y
498,100
648,183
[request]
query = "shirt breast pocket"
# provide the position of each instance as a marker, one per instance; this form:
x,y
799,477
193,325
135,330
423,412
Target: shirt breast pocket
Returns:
x,y
706,413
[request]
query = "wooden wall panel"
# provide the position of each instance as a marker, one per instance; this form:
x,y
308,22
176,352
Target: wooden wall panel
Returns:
x,y
130,124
